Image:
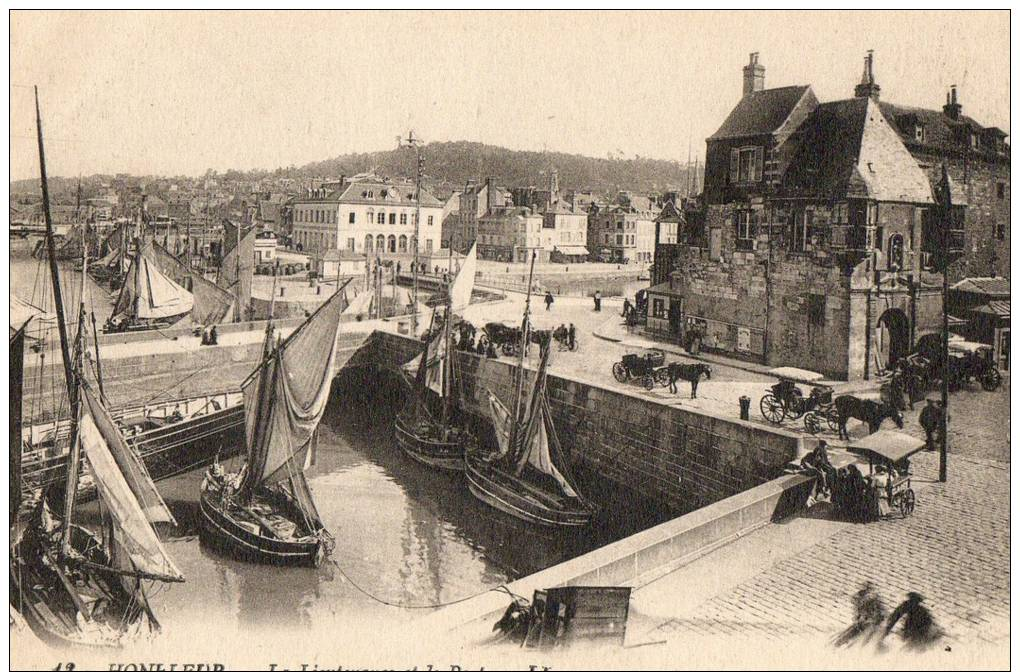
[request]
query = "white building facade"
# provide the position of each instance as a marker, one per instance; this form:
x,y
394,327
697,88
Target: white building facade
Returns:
x,y
374,218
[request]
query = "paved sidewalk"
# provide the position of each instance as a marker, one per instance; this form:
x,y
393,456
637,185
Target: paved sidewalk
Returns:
x,y
954,550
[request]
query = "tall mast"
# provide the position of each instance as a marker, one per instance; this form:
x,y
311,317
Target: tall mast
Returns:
x,y
74,456
419,171
237,275
519,384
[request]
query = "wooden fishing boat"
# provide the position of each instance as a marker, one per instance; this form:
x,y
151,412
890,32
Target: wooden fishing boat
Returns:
x,y
527,475
265,512
148,299
70,585
170,437
428,429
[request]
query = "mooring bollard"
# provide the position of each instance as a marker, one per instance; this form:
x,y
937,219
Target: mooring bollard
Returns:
x,y
745,407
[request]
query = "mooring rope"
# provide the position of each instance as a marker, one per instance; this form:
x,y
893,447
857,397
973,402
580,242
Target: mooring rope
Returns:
x,y
437,605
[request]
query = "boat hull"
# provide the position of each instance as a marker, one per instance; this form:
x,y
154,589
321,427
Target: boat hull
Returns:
x,y
509,495
221,530
445,455
57,626
166,451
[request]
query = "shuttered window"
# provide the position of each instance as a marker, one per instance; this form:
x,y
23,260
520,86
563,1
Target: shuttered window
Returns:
x,y
746,164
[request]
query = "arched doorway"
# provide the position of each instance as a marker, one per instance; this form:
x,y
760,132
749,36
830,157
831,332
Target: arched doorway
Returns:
x,y
892,337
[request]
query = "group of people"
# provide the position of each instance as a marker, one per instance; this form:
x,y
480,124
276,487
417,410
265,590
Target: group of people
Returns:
x,y
857,497
871,619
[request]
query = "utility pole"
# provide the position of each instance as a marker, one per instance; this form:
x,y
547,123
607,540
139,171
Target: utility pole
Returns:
x,y
416,143
947,218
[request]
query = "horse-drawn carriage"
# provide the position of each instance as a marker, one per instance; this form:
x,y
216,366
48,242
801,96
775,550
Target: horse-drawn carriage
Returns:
x,y
973,361
923,369
507,338
888,452
786,400
648,368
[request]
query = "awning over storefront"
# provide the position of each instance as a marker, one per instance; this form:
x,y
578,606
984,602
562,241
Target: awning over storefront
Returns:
x,y
573,250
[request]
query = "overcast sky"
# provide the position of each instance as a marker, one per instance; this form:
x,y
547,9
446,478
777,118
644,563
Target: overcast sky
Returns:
x,y
182,92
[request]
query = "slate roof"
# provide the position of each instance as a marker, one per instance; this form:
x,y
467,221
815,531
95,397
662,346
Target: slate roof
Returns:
x,y
990,286
998,308
848,149
760,112
940,130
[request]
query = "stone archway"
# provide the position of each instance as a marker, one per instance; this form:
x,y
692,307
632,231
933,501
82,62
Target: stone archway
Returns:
x,y
892,337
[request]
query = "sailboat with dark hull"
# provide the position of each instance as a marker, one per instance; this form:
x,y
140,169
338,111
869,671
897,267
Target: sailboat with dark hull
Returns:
x,y
265,512
70,584
148,299
527,475
428,429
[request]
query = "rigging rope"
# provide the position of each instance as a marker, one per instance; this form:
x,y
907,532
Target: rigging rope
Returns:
x,y
438,605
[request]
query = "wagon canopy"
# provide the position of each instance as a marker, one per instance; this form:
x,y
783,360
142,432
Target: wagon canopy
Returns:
x,y
888,444
796,375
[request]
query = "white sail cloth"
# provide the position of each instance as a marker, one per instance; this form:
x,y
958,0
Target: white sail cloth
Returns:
x,y
464,284
134,532
128,461
435,372
279,421
148,294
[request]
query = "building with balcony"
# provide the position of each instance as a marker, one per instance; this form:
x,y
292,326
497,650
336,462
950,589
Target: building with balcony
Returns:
x,y
817,239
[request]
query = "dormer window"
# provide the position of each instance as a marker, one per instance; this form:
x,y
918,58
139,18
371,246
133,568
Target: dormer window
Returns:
x,y
919,132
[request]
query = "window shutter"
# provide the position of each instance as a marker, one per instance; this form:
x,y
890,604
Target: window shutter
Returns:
x,y
734,165
759,162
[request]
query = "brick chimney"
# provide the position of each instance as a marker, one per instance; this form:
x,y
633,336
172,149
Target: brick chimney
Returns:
x,y
491,202
754,75
868,88
952,108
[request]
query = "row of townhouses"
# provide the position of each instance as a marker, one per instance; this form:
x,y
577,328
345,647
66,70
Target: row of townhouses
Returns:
x,y
815,241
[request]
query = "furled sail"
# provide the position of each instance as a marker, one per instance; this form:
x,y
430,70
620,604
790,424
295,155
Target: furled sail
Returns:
x,y
132,528
464,284
17,368
538,436
238,265
131,466
211,304
435,372
148,294
501,421
287,396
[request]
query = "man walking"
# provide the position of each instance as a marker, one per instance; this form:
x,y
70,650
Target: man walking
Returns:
x,y
931,421
548,300
571,336
598,301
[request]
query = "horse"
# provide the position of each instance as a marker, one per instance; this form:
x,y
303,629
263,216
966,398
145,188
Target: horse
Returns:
x,y
871,412
689,372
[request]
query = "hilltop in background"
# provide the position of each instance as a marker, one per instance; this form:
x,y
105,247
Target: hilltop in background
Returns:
x,y
449,165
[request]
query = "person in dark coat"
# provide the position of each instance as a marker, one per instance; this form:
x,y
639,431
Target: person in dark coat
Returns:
x,y
571,336
919,628
548,300
213,336
817,462
869,612
598,301
491,352
931,420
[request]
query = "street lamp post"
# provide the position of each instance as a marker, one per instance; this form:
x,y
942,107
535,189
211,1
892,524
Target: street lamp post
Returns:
x,y
416,143
948,254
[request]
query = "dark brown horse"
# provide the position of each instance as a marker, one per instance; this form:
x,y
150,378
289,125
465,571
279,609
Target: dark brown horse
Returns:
x,y
867,410
689,372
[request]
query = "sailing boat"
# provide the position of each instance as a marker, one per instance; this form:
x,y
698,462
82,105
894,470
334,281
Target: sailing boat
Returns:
x,y
265,512
428,434
69,584
148,299
527,475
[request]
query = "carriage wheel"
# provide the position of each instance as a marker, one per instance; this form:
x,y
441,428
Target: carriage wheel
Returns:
x,y
620,372
648,381
662,377
509,350
771,409
906,502
812,422
797,405
832,418
991,379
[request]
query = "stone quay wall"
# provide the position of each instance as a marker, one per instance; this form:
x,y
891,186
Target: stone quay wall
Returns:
x,y
682,458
